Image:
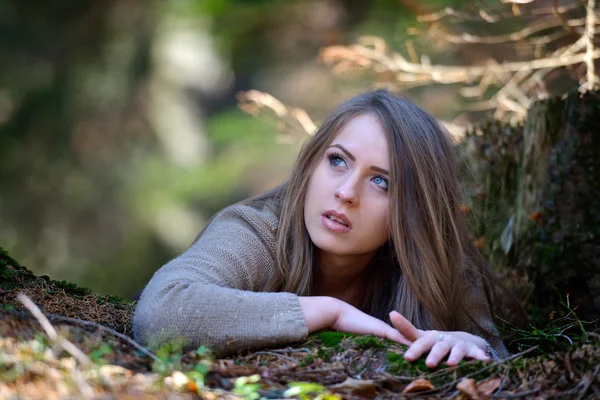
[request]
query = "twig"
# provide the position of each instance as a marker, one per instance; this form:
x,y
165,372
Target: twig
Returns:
x,y
590,21
270,353
560,17
106,329
509,37
291,350
504,379
51,332
513,395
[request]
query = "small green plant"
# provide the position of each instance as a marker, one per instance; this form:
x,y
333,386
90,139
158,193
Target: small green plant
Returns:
x,y
248,387
563,331
309,390
309,360
169,357
97,356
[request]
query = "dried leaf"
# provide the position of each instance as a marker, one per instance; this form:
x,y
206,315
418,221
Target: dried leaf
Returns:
x,y
467,387
489,386
357,387
536,217
418,385
480,243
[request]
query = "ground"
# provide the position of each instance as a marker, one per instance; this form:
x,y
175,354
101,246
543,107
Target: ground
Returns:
x,y
79,346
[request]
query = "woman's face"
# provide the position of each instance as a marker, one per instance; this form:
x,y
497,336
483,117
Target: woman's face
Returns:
x,y
346,206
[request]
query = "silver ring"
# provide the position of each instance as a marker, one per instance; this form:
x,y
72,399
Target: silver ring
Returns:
x,y
439,338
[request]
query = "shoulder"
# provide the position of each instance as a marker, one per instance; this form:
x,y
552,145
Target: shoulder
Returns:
x,y
262,215
257,218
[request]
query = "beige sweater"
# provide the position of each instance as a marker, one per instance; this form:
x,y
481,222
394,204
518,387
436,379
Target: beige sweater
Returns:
x,y
214,293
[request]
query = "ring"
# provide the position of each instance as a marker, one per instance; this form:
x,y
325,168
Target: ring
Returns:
x,y
439,338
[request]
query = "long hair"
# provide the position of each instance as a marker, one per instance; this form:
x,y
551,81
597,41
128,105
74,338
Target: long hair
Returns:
x,y
421,271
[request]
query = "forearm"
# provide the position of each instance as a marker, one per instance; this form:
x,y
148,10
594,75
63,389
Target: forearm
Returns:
x,y
224,319
320,312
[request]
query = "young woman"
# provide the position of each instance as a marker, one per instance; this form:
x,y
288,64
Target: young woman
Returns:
x,y
366,237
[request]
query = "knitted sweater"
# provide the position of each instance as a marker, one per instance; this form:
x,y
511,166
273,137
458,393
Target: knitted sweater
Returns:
x,y
214,293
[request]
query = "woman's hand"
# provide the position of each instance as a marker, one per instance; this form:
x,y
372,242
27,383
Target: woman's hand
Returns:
x,y
330,313
439,344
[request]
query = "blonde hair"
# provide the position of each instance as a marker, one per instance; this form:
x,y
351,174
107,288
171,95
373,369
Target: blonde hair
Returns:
x,y
423,268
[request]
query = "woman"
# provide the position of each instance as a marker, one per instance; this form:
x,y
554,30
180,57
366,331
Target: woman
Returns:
x,y
366,231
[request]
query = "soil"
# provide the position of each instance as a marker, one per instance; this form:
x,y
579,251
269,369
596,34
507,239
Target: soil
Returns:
x,y
81,347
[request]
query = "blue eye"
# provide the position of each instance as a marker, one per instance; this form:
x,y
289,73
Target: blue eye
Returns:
x,y
381,182
335,160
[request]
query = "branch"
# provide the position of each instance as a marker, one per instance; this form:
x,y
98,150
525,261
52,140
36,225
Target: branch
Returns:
x,y
509,37
253,101
487,17
51,332
365,56
590,22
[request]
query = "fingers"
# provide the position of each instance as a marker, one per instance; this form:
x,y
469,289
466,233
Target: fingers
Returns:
x,y
459,351
392,334
476,353
404,326
439,349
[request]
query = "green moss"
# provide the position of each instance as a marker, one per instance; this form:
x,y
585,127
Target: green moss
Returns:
x,y
332,338
72,289
13,276
397,365
369,341
325,354
307,361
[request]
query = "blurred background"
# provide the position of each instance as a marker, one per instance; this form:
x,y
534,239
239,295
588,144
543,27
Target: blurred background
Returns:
x,y
121,132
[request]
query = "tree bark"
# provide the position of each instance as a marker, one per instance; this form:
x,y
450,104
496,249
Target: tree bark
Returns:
x,y
534,195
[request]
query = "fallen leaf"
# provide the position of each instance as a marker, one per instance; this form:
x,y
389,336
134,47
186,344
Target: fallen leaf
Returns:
x,y
467,387
418,385
357,387
480,243
536,217
489,386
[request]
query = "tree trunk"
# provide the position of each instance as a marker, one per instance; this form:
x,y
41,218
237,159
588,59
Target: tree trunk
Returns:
x,y
535,199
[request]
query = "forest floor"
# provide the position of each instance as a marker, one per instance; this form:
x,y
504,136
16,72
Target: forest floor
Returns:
x,y
67,342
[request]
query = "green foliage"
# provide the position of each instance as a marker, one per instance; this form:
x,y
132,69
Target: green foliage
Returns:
x,y
169,357
97,355
309,390
558,334
248,387
309,360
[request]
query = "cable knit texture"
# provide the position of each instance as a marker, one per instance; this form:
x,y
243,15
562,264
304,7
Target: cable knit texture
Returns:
x,y
214,293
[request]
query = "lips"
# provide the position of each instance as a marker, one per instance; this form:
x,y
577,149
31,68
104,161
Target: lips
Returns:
x,y
338,218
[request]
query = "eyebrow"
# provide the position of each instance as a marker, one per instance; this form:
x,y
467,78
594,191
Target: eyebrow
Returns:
x,y
350,156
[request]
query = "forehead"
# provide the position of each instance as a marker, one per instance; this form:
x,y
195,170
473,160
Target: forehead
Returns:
x,y
363,136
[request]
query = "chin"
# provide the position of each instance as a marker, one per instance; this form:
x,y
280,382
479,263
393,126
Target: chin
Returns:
x,y
332,246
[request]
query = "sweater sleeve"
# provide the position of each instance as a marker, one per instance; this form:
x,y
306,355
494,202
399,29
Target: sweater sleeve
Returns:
x,y
481,324
210,295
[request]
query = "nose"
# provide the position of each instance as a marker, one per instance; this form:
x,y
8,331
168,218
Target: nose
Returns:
x,y
347,192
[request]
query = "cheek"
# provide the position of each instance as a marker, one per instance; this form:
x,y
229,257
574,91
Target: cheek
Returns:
x,y
381,223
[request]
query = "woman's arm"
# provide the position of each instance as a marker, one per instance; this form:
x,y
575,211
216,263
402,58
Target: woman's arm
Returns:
x,y
211,294
330,313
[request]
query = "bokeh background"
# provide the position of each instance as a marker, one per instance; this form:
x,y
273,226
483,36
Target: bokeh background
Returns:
x,y
121,133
